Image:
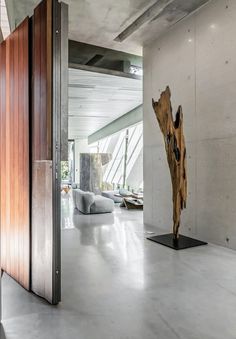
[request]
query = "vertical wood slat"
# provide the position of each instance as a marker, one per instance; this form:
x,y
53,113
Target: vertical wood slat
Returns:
x,y
14,157
42,82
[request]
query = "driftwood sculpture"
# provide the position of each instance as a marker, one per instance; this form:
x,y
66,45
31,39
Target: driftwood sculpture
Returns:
x,y
176,153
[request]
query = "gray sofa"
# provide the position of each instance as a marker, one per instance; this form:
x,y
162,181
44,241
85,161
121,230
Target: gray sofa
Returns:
x,y
89,203
112,195
117,195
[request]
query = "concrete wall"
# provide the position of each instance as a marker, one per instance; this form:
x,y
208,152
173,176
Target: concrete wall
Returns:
x,y
81,146
197,59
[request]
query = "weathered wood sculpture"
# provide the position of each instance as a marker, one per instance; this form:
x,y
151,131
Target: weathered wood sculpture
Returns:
x,y
176,153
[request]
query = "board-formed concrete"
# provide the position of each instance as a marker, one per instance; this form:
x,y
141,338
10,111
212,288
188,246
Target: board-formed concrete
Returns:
x,y
118,285
197,59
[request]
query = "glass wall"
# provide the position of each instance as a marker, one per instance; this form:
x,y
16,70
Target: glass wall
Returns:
x,y
126,167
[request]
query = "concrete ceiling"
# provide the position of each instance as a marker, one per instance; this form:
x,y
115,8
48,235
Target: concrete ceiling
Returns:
x,y
126,25
97,99
99,22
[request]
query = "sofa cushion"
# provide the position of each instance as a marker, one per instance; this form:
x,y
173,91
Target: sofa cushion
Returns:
x,y
102,205
111,195
86,201
83,200
124,192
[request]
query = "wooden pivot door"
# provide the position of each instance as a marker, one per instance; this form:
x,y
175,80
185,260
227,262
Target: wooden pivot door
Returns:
x,y
49,112
33,111
14,155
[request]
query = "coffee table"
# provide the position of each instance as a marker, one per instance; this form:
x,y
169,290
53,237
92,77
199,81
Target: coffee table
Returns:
x,y
133,203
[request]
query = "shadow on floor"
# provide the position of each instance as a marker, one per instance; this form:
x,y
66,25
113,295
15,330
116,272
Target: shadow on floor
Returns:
x,y
2,332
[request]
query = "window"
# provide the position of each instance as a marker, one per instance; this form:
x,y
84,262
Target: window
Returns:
x,y
68,167
125,168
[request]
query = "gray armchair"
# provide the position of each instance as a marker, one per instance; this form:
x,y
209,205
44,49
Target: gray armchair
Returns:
x,y
89,203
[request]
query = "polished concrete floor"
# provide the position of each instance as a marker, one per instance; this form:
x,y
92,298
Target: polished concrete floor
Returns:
x,y
118,285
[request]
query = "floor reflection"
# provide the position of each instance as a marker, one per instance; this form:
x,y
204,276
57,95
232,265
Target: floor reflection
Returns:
x,y
116,238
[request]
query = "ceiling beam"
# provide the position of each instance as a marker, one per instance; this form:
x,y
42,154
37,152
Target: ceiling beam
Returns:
x,y
105,59
126,120
94,60
154,10
104,71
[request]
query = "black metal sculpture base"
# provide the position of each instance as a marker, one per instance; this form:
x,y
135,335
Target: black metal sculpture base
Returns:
x,y
177,244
